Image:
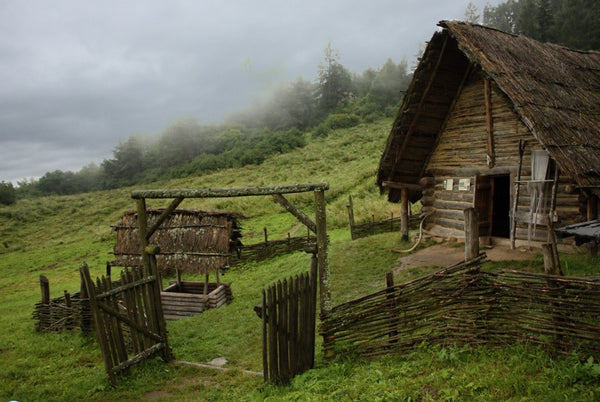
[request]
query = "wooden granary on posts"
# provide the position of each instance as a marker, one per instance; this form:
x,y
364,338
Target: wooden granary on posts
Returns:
x,y
501,123
190,241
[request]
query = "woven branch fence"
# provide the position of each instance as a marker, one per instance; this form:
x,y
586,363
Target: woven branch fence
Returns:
x,y
270,249
377,227
464,305
70,311
63,313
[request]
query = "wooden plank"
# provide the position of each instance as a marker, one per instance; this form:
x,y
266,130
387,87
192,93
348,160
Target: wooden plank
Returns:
x,y
282,330
292,325
272,314
183,296
265,351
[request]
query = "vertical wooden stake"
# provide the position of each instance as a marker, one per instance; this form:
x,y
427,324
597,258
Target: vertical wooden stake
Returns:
x,y
389,284
45,288
549,263
350,207
322,256
471,234
517,186
404,213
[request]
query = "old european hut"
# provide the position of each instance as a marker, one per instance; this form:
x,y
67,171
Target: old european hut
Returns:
x,y
502,123
190,241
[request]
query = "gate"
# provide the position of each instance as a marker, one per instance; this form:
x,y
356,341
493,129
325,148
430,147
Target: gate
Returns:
x,y
288,323
128,318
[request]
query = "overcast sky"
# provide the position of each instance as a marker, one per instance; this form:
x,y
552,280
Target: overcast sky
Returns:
x,y
76,77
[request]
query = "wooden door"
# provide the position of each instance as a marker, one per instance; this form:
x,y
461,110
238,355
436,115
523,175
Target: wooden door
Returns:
x,y
289,321
128,319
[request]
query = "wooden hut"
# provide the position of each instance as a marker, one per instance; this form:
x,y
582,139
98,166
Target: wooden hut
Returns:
x,y
502,123
190,241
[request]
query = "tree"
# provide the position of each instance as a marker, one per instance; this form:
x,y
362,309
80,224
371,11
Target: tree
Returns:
x,y
7,193
389,83
572,23
127,166
335,82
472,14
502,17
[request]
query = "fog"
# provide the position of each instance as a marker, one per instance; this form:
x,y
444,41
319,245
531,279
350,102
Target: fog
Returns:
x,y
77,77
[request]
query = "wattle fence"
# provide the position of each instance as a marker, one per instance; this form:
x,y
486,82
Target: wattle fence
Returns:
x,y
270,248
464,305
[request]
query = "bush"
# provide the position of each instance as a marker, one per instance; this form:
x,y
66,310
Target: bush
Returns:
x,y
7,193
335,121
322,130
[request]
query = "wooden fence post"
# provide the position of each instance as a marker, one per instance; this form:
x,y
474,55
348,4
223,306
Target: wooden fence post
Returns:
x,y
44,310
322,254
389,284
45,288
471,234
404,213
549,263
350,208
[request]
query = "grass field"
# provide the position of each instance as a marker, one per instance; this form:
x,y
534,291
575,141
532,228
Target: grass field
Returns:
x,y
52,236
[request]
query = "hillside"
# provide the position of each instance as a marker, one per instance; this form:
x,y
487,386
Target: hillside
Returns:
x,y
52,236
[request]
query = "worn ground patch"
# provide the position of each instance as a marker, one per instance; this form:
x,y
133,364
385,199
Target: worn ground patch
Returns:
x,y
447,254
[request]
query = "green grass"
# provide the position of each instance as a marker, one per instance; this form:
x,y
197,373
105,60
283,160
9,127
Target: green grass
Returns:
x,y
52,236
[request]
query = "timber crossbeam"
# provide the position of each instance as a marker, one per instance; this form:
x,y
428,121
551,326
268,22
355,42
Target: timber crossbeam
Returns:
x,y
229,192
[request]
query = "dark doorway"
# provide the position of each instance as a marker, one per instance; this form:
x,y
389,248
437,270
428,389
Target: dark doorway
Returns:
x,y
501,206
492,202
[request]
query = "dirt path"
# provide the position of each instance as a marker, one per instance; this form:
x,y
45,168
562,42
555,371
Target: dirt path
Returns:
x,y
446,254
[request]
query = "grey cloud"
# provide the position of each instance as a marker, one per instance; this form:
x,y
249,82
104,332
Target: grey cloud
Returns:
x,y
79,76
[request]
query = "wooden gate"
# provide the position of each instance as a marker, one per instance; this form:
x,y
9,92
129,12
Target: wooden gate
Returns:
x,y
128,319
288,321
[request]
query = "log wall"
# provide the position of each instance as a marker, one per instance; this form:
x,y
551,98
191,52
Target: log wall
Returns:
x,y
461,153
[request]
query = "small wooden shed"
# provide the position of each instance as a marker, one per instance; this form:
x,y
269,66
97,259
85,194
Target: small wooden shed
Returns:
x,y
502,123
190,241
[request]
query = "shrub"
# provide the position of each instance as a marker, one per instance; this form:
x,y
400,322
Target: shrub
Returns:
x,y
322,130
337,120
7,193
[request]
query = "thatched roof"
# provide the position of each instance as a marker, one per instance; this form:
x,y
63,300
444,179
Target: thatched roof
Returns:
x,y
189,240
554,90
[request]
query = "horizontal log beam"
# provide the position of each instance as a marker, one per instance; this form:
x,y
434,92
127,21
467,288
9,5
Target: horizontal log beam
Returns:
x,y
393,184
229,192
